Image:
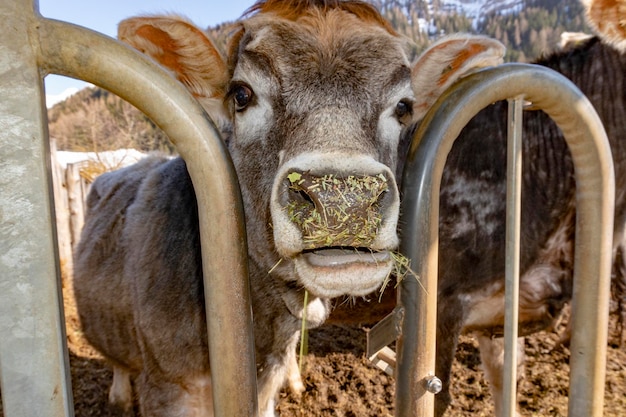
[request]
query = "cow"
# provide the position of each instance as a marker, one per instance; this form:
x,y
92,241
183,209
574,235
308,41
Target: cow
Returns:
x,y
311,99
472,213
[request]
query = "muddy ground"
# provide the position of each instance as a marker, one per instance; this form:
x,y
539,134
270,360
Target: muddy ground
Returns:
x,y
341,382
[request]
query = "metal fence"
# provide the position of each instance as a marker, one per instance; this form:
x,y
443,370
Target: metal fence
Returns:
x,y
34,370
594,175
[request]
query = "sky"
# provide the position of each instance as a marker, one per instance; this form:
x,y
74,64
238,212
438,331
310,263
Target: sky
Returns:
x,y
103,16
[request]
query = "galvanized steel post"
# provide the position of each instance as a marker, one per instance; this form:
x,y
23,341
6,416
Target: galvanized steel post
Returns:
x,y
34,364
61,48
587,141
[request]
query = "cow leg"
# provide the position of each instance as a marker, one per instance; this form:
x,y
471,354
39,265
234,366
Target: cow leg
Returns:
x,y
492,357
279,367
449,322
271,379
121,394
188,397
293,374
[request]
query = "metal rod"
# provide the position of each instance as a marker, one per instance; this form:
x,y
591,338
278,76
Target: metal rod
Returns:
x,y
591,155
511,291
80,53
34,362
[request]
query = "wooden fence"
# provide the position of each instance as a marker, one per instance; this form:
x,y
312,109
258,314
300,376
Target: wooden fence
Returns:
x,y
72,174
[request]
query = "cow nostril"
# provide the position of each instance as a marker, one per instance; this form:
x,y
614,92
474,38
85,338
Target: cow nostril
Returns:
x,y
296,192
303,197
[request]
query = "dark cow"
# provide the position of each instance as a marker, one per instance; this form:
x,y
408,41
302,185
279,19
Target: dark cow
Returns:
x,y
473,196
310,92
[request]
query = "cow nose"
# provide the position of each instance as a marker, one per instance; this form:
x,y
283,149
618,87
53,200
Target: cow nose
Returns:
x,y
337,211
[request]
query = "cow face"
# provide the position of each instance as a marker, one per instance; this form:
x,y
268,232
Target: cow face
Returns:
x,y
311,103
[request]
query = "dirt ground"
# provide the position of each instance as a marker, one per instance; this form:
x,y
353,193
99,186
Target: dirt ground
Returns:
x,y
341,382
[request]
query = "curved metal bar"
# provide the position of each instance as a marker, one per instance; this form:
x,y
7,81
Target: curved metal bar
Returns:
x,y
594,174
81,53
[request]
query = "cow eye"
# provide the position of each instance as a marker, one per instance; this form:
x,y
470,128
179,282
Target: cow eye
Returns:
x,y
242,95
404,109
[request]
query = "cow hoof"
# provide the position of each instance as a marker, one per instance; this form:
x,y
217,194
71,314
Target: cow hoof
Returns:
x,y
297,387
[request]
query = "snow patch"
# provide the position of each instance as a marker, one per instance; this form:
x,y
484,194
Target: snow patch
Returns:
x,y
52,99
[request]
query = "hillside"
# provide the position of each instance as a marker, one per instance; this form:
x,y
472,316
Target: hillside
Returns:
x,y
528,28
94,119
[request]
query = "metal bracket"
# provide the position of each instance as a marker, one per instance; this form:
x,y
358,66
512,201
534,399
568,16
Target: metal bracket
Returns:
x,y
381,336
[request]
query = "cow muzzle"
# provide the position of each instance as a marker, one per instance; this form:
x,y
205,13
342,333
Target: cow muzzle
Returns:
x,y
336,218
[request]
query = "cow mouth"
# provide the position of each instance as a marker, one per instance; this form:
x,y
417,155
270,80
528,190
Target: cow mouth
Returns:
x,y
334,216
331,272
344,256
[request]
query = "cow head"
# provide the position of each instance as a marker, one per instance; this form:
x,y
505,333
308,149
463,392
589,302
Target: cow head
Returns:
x,y
311,99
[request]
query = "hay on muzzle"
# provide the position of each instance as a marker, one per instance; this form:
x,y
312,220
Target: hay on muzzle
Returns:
x,y
336,211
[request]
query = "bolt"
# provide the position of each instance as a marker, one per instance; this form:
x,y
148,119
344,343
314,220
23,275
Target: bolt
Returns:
x,y
434,385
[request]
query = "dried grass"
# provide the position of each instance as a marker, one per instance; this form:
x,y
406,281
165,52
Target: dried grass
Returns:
x,y
401,269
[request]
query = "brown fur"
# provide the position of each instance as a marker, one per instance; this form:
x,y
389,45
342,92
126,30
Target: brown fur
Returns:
x,y
296,9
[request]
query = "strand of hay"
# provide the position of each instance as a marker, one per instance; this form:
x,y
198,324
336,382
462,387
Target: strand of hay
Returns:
x,y
304,334
401,269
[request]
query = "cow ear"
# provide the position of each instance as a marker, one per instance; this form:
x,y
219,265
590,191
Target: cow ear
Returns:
x,y
448,60
608,19
186,51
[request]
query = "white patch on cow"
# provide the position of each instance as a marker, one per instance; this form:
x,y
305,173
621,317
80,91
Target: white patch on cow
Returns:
x,y
270,410
485,306
197,400
316,312
479,195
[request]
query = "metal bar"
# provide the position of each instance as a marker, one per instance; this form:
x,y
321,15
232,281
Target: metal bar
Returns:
x,y
80,53
511,278
34,363
385,332
595,191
